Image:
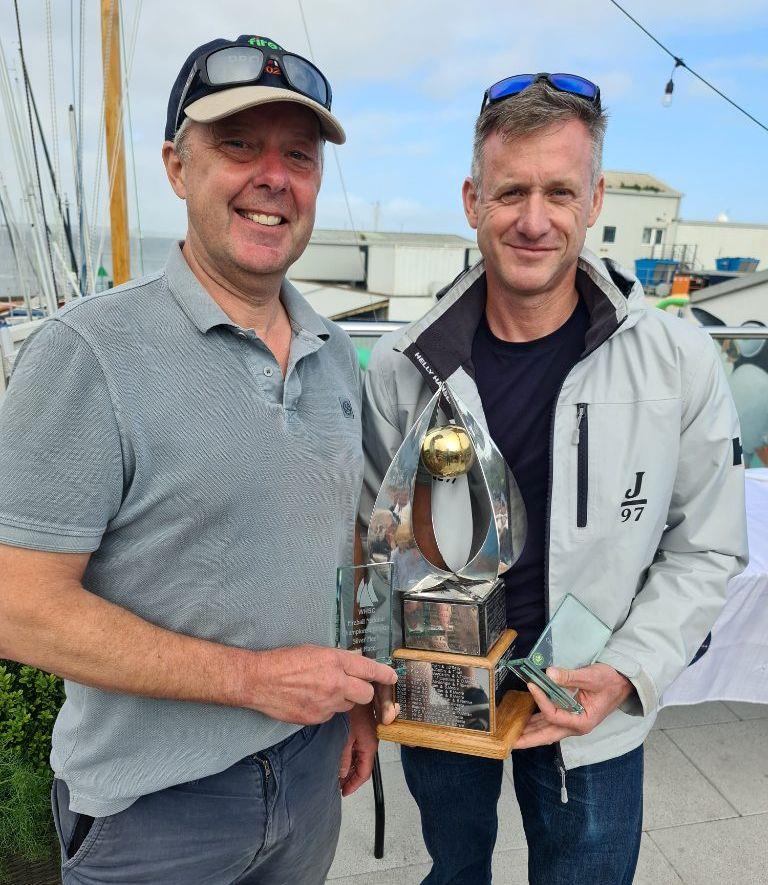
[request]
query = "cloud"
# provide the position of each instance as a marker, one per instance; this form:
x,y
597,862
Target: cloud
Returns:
x,y
407,78
752,62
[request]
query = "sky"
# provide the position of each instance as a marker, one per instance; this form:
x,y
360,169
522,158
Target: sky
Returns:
x,y
408,78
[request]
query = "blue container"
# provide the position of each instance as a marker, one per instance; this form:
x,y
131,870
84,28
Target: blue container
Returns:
x,y
737,265
653,271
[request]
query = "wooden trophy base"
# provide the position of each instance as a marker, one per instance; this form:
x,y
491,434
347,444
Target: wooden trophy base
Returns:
x,y
507,719
514,711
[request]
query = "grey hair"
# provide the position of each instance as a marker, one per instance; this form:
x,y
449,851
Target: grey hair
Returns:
x,y
180,145
535,108
182,148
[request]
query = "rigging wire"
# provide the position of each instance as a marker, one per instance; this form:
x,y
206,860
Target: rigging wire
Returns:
x,y
54,179
85,271
52,88
358,238
126,78
34,153
60,230
680,63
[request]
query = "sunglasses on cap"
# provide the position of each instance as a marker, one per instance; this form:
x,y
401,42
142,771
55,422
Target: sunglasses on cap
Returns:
x,y
240,65
570,83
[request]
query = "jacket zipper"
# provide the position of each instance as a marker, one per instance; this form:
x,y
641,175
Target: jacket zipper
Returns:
x,y
581,439
560,766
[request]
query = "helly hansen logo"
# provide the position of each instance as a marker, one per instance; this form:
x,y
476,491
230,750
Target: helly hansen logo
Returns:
x,y
346,407
738,452
431,373
633,505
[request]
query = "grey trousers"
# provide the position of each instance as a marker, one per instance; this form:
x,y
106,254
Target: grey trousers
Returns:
x,y
272,818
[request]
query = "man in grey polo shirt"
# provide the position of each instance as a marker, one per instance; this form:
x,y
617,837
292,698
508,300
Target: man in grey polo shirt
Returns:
x,y
180,464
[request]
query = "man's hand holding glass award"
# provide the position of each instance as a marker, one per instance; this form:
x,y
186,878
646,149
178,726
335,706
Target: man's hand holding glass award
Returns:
x,y
431,600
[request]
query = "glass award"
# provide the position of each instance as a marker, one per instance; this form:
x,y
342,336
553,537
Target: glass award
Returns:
x,y
573,638
364,621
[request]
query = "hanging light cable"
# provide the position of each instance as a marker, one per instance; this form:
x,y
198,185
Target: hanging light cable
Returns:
x,y
682,64
666,99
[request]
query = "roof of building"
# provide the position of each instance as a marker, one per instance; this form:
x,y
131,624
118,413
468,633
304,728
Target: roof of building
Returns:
x,y
638,182
387,238
758,225
739,284
339,302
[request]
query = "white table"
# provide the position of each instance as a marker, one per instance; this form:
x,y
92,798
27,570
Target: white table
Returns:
x,y
735,668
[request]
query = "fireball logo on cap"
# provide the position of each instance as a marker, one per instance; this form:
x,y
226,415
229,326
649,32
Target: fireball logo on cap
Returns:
x,y
272,67
262,41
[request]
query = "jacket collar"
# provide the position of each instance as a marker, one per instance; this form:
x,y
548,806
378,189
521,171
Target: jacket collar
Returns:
x,y
440,343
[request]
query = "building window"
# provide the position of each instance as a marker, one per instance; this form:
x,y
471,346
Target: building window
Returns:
x,y
657,236
646,235
609,234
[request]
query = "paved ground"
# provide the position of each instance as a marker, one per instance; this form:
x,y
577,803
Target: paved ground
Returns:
x,y
706,809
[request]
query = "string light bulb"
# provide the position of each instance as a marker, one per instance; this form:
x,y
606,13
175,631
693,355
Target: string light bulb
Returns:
x,y
666,99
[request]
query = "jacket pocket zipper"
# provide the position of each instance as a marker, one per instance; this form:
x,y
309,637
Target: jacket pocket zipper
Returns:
x,y
581,440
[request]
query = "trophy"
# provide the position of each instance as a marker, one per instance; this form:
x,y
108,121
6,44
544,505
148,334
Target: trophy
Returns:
x,y
430,600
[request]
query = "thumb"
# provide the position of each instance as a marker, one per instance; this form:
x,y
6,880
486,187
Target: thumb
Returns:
x,y
345,762
581,678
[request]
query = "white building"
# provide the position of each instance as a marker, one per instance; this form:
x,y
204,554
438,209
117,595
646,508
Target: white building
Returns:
x,y
402,270
723,239
637,218
641,219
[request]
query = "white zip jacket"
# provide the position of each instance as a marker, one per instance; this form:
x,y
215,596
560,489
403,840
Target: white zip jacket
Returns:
x,y
646,512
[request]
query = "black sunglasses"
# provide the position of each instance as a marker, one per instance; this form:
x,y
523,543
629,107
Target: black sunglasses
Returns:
x,y
239,65
570,83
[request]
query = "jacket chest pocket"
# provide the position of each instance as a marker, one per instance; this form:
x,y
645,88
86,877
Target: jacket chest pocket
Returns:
x,y
581,441
623,460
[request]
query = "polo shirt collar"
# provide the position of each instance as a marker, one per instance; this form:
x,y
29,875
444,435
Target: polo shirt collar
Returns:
x,y
205,313
185,287
301,312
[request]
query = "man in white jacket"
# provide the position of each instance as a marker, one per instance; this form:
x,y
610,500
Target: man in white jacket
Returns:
x,y
619,429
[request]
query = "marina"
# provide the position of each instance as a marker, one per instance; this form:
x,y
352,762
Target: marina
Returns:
x,y
79,216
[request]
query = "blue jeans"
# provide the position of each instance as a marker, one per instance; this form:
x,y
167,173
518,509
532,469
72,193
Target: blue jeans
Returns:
x,y
593,839
271,818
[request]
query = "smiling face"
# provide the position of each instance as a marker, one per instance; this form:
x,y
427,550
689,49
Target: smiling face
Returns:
x,y
534,207
251,183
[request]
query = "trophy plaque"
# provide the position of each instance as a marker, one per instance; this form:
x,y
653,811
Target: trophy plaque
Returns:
x,y
449,642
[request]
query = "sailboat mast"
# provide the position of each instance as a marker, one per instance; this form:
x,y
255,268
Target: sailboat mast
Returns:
x,y
113,114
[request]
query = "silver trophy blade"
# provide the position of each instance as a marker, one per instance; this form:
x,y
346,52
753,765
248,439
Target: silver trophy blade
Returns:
x,y
390,533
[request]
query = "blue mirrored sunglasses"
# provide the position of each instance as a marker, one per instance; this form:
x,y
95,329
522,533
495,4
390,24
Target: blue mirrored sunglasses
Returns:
x,y
570,83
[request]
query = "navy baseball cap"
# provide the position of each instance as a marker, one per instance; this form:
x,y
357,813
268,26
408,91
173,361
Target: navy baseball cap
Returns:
x,y
211,86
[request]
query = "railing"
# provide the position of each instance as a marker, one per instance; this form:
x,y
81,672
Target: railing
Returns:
x,y
743,350
745,365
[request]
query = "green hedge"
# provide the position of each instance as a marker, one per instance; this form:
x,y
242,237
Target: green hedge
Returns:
x,y
29,703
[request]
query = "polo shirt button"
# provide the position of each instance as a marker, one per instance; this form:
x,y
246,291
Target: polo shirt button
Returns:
x,y
268,371
241,334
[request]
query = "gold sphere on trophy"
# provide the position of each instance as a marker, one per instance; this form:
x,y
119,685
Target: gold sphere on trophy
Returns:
x,y
447,452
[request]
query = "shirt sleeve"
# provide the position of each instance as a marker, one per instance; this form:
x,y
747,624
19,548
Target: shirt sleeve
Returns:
x,y
61,465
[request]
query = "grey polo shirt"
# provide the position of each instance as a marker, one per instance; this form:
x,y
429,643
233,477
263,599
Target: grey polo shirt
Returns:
x,y
142,426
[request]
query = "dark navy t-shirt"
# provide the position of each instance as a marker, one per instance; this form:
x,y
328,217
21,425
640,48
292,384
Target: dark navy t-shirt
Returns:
x,y
517,383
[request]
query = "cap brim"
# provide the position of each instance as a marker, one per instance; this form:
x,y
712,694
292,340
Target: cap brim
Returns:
x,y
229,101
